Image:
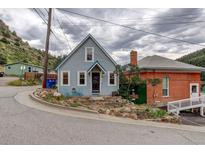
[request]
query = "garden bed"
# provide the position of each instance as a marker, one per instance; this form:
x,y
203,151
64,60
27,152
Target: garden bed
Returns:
x,y
114,106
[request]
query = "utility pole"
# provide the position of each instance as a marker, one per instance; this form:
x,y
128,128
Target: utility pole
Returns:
x,y
47,48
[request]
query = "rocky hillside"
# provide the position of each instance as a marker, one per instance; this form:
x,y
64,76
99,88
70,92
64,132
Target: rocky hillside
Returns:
x,y
14,49
196,58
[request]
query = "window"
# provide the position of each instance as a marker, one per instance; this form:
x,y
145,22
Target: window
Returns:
x,y
82,78
9,67
165,86
194,89
65,78
111,79
89,54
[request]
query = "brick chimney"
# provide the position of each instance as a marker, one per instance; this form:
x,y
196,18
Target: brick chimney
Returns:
x,y
133,58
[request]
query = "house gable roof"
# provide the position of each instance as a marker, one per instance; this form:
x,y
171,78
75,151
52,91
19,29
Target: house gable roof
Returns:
x,y
162,63
96,64
80,44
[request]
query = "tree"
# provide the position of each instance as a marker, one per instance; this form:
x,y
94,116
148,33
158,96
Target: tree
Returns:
x,y
129,81
4,40
14,33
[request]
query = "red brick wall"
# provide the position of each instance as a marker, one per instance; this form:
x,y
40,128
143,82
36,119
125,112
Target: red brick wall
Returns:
x,y
179,85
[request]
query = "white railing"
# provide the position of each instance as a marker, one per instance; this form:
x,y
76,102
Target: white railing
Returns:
x,y
184,104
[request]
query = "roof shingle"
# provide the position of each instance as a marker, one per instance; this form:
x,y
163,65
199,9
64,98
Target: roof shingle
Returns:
x,y
162,63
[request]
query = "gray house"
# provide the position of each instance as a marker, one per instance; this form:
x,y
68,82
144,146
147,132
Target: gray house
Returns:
x,y
88,70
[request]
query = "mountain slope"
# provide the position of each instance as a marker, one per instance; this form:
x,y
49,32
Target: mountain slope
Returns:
x,y
14,49
196,58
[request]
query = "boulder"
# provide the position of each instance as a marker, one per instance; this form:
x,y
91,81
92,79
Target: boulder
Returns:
x,y
107,111
126,109
43,93
125,115
56,94
102,111
133,116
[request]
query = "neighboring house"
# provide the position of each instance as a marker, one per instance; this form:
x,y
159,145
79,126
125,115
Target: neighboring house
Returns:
x,y
88,70
19,68
178,80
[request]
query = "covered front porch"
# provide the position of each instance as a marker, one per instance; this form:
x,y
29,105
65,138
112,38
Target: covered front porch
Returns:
x,y
96,74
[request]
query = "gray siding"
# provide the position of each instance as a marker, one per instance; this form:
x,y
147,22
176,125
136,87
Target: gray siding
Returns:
x,y
77,63
15,69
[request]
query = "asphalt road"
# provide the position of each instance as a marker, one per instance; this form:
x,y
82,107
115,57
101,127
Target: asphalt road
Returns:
x,y
23,125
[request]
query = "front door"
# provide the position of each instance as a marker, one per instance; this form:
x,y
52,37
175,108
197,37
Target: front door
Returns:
x,y
194,90
95,82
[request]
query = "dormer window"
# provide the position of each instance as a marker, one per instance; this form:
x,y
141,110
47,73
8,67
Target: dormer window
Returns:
x,y
89,54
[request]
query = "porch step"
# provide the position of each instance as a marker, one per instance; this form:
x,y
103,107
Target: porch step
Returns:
x,y
96,98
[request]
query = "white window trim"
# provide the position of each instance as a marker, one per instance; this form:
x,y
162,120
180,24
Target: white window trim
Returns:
x,y
115,79
86,54
78,78
167,88
62,78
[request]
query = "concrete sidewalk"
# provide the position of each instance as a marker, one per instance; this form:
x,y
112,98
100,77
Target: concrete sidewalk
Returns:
x,y
24,98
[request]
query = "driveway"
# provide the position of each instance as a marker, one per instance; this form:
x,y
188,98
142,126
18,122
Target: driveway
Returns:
x,y
4,80
189,118
20,124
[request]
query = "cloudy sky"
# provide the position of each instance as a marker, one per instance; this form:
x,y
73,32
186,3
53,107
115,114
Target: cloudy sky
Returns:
x,y
183,24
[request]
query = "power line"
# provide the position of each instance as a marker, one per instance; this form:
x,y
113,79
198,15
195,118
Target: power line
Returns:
x,y
45,15
40,16
132,28
141,24
63,33
52,31
72,23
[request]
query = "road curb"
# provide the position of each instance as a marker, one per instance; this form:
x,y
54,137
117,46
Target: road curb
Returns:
x,y
38,99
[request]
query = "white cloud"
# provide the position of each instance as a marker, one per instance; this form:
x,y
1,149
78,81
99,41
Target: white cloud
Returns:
x,y
117,40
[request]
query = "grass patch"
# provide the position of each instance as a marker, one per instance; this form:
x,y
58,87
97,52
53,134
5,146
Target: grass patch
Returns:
x,y
23,83
75,105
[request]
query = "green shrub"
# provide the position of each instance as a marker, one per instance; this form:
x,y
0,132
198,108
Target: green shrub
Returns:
x,y
14,33
17,44
4,40
49,97
156,113
6,34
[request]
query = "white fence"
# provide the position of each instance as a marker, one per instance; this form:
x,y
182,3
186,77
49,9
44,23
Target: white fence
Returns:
x,y
176,106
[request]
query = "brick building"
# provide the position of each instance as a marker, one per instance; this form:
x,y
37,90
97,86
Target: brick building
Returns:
x,y
177,80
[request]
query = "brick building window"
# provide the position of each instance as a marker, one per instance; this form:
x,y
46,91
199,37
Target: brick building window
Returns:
x,y
165,86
